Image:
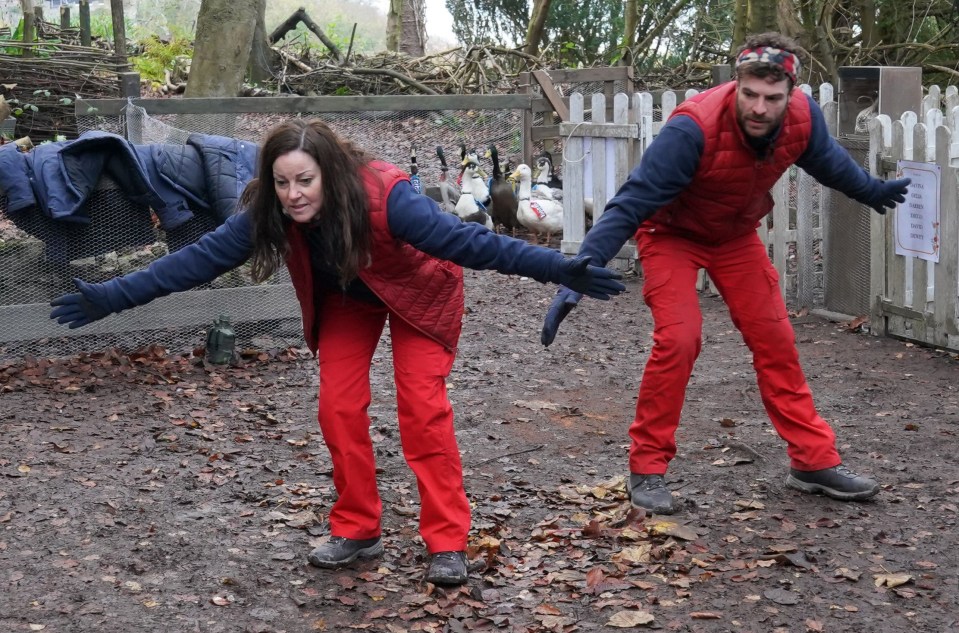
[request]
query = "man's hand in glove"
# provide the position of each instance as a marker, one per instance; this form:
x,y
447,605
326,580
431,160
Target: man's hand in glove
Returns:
x,y
889,193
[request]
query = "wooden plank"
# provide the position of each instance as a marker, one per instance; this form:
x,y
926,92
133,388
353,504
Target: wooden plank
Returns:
x,y
526,88
590,75
549,91
780,226
896,281
544,132
880,233
599,192
805,275
540,105
183,309
947,268
574,216
299,105
622,147
919,273
644,117
599,130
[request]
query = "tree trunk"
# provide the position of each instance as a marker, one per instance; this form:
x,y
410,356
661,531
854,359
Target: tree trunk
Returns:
x,y
406,27
537,25
630,24
224,38
394,26
260,53
739,27
762,16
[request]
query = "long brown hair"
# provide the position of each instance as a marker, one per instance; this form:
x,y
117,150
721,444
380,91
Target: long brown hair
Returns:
x,y
343,223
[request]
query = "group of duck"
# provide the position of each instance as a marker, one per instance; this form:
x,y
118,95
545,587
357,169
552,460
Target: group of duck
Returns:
x,y
507,200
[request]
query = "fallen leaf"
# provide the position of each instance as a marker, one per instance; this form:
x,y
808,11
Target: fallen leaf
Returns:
x,y
781,596
637,554
891,580
536,405
669,528
848,574
629,619
813,626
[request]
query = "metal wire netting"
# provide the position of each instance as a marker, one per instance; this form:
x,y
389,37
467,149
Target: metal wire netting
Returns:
x,y
39,256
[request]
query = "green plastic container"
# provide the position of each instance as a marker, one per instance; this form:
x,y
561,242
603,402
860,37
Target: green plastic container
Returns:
x,y
220,341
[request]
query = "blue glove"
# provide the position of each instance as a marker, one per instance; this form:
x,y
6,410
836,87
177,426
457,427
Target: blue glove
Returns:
x,y
889,193
593,281
562,305
80,308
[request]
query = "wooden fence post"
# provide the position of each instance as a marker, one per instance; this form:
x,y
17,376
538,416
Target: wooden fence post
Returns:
x,y
119,34
85,22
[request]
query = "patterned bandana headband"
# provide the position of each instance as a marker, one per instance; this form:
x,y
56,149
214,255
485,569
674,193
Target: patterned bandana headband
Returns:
x,y
776,56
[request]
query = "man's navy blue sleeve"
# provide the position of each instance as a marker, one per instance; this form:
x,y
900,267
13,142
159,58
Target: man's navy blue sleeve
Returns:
x,y
418,220
666,169
828,162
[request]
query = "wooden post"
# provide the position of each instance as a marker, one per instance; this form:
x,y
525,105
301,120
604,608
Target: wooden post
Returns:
x,y
525,81
119,34
28,26
129,84
85,22
64,17
721,73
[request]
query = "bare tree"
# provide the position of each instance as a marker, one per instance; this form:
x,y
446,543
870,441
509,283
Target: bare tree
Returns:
x,y
224,39
537,24
406,27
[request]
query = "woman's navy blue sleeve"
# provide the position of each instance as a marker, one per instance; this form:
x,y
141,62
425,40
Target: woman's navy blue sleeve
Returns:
x,y
419,221
215,253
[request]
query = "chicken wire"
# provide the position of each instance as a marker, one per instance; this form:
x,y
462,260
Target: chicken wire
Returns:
x,y
39,256
847,246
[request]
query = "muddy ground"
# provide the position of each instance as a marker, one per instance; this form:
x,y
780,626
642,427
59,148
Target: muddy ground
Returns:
x,y
151,492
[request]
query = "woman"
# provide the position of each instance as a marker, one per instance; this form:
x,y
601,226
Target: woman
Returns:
x,y
361,248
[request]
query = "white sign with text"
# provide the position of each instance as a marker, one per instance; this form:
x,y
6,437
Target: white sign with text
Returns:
x,y
917,219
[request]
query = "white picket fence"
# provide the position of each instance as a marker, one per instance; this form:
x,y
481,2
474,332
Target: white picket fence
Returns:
x,y
599,154
917,299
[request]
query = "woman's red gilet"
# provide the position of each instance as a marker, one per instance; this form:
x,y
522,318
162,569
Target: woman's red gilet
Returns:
x,y
424,291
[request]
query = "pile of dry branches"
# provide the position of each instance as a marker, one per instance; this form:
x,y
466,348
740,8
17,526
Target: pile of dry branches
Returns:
x,y
475,70
53,74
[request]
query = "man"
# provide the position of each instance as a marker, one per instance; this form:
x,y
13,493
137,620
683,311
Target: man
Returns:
x,y
694,202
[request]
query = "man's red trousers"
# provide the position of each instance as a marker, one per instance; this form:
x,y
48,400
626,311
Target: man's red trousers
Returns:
x,y
749,285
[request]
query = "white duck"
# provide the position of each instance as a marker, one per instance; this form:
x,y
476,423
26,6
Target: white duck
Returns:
x,y
539,216
470,207
547,186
